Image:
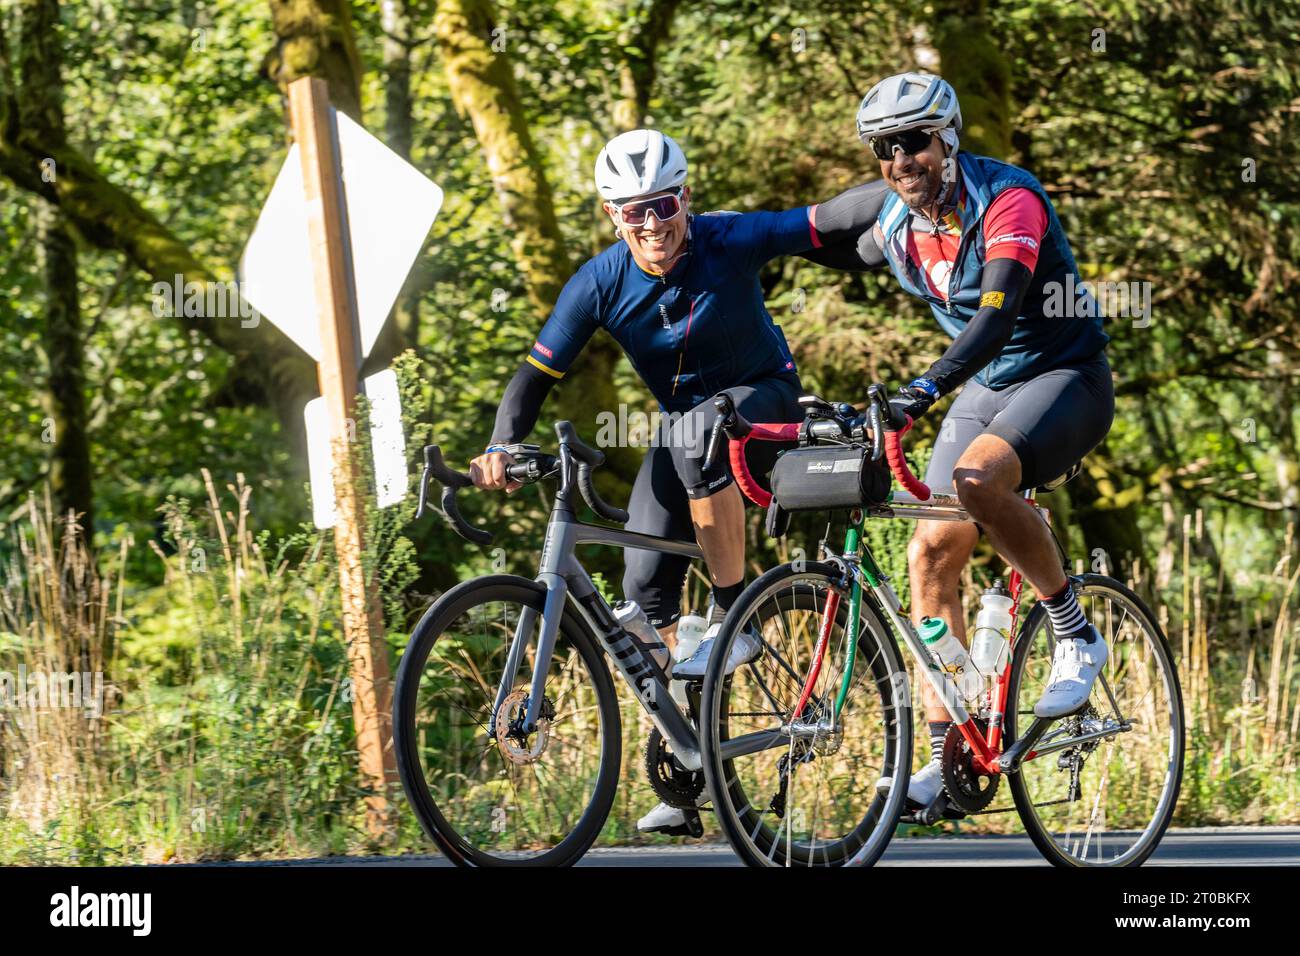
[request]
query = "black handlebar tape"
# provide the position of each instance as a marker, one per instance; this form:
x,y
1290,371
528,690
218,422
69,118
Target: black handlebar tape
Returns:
x,y
568,435
594,500
452,481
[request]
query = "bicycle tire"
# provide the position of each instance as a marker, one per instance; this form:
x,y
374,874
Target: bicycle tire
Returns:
x,y
1037,831
861,846
445,611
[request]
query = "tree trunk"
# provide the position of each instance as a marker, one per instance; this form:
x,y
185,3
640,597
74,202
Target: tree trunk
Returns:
x,y
637,73
483,88
40,110
315,39
403,326
65,398
1286,466
972,61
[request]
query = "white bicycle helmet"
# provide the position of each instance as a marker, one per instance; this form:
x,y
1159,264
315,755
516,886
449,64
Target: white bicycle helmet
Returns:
x,y
637,163
908,101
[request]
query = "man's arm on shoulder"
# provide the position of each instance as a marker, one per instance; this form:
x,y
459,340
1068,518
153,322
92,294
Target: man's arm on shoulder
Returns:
x,y
754,238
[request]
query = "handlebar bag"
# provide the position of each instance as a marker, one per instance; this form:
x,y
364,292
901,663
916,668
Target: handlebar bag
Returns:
x,y
829,477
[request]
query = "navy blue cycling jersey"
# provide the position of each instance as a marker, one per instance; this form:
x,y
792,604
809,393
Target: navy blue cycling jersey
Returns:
x,y
702,327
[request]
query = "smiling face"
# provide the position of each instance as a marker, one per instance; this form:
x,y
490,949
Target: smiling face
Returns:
x,y
918,178
655,244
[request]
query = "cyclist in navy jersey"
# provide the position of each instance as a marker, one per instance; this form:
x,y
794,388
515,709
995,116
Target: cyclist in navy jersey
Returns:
x,y
680,294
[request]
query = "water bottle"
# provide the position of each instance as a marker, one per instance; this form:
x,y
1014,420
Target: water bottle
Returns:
x,y
691,629
988,647
633,620
951,656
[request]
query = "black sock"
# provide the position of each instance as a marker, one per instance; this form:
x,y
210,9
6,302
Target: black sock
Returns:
x,y
938,732
724,597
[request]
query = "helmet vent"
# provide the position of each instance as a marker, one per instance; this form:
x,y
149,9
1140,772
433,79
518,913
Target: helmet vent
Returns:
x,y
638,163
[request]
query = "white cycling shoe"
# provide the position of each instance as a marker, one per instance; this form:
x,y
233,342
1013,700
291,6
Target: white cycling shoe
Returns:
x,y
745,648
923,788
672,821
1075,667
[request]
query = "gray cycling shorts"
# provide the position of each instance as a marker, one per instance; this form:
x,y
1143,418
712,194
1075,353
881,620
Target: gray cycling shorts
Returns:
x,y
1051,421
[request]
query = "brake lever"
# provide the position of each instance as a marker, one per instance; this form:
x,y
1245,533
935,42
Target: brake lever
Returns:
x,y
877,433
424,481
726,412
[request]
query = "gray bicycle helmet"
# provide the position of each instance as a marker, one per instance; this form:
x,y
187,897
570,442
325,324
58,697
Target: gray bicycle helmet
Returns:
x,y
908,101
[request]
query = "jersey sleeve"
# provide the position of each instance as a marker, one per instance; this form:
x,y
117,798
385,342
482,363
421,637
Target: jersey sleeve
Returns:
x,y
571,324
1014,226
753,238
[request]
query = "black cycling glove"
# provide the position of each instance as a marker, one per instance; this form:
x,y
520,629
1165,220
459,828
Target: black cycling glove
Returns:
x,y
911,400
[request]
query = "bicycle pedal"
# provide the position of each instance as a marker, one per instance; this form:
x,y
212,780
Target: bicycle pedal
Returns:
x,y
693,827
928,815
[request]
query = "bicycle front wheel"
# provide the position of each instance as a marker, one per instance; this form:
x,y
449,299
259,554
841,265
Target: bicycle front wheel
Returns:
x,y
795,787
485,794
1106,799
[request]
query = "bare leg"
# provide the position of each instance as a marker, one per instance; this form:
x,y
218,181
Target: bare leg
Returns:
x,y
669,634
720,529
936,555
986,476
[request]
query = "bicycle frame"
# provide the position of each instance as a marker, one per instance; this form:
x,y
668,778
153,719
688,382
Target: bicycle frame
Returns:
x,y
987,754
564,577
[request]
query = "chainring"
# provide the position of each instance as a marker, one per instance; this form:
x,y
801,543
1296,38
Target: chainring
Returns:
x,y
968,789
675,785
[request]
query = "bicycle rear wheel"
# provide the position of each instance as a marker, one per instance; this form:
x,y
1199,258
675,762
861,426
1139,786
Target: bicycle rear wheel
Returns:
x,y
495,798
807,797
1107,801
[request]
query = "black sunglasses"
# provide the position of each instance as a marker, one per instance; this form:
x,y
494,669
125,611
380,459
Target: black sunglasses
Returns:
x,y
909,141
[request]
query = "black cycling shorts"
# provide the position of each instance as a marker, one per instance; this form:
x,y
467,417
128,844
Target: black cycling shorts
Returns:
x,y
1051,420
673,472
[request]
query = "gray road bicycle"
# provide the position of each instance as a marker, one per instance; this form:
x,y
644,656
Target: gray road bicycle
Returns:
x,y
505,717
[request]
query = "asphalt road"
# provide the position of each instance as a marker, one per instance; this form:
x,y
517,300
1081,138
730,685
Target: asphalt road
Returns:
x,y
1217,846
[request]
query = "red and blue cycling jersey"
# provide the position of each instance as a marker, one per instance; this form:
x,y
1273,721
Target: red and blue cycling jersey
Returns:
x,y
698,329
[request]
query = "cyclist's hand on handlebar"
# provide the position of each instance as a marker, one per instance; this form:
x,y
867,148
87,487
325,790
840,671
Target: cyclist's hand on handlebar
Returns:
x,y
909,401
488,471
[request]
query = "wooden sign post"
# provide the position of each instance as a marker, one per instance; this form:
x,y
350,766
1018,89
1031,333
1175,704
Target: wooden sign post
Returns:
x,y
313,128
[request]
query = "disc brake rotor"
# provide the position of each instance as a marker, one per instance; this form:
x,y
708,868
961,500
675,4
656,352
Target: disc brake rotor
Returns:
x,y
510,735
969,789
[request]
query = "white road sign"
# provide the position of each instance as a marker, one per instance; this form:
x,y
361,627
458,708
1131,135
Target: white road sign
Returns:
x,y
387,443
390,207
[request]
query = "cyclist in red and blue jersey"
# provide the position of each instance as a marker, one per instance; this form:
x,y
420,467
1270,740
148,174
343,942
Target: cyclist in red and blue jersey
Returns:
x,y
979,241
680,294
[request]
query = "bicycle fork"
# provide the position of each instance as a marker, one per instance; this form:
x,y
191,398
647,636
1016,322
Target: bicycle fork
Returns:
x,y
563,576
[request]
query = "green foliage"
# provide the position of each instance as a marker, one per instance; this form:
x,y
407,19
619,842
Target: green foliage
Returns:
x,y
1168,151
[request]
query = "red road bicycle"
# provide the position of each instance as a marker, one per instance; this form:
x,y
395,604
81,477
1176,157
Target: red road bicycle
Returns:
x,y
794,743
